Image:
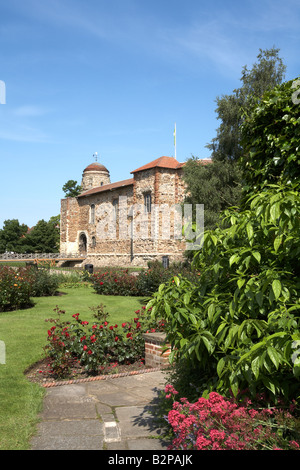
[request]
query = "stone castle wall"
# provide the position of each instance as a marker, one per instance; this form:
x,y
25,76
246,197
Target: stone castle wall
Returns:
x,y
108,232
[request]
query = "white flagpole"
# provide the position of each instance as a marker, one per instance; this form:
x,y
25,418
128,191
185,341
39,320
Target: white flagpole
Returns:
x,y
175,140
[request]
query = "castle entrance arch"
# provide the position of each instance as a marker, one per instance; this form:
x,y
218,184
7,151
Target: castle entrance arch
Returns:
x,y
82,244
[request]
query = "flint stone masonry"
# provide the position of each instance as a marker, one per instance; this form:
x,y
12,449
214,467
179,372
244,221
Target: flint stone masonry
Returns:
x,y
100,225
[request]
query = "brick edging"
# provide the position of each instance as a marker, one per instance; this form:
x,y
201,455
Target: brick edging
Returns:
x,y
99,377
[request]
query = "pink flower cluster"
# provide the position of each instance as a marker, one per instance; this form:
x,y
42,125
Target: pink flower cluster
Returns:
x,y
216,423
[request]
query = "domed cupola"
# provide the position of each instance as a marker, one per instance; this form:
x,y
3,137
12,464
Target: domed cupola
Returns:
x,y
94,175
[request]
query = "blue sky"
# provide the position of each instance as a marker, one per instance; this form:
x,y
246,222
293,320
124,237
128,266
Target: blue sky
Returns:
x,y
112,77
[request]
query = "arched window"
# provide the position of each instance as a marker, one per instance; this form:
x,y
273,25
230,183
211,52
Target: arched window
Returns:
x,y
93,242
147,202
92,218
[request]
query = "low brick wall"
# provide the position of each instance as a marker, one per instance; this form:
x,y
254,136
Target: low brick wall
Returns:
x,y
154,344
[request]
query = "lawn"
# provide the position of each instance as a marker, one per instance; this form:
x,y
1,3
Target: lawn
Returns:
x,y
24,333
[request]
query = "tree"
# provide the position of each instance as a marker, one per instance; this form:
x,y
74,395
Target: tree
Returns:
x,y
43,238
11,236
216,185
270,137
267,73
71,188
240,326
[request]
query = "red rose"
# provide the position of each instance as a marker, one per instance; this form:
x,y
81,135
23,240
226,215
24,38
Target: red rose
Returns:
x,y
90,352
101,283
85,347
116,338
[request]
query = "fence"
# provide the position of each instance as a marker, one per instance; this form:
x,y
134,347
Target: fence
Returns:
x,y
29,256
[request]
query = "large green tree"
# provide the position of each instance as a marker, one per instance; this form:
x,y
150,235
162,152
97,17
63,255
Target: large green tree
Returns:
x,y
265,74
219,185
44,237
216,185
12,236
240,326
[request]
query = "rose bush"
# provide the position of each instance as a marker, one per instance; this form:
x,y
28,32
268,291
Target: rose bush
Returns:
x,y
98,344
18,285
15,288
121,282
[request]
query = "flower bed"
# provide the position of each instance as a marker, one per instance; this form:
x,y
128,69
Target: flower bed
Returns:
x,y
114,282
18,285
216,423
98,345
121,282
15,288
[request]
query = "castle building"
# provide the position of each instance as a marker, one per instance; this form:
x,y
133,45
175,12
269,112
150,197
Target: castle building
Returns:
x,y
126,223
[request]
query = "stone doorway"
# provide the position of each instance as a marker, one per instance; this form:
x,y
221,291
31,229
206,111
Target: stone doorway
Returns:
x,y
82,244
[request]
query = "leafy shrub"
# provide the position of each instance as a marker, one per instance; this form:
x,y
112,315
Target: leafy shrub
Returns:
x,y
216,423
95,346
114,282
120,282
45,283
15,288
19,284
240,325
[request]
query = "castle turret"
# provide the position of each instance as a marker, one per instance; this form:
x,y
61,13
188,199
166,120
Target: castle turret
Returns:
x,y
94,175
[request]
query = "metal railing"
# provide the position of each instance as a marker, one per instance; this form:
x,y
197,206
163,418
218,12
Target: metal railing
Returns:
x,y
28,256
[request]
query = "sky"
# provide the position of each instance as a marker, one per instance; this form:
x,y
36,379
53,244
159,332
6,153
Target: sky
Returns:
x,y
113,77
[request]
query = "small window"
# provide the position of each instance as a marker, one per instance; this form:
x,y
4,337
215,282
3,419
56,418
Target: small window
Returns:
x,y
93,242
147,202
115,209
92,213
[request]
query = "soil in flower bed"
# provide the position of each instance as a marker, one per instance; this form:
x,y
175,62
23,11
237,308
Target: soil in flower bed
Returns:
x,y
40,372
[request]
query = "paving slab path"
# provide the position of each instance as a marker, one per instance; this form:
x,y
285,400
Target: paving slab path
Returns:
x,y
111,414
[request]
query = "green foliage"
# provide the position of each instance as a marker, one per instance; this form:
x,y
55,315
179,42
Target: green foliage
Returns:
x,y
239,323
19,285
43,238
71,188
217,186
114,281
11,236
44,283
15,288
98,345
271,139
264,75
240,327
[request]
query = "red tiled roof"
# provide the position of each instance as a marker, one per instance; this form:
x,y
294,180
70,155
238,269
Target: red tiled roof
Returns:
x,y
161,162
107,187
95,167
166,162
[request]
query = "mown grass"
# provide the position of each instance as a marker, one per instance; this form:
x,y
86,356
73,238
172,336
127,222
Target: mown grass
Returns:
x,y
24,333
